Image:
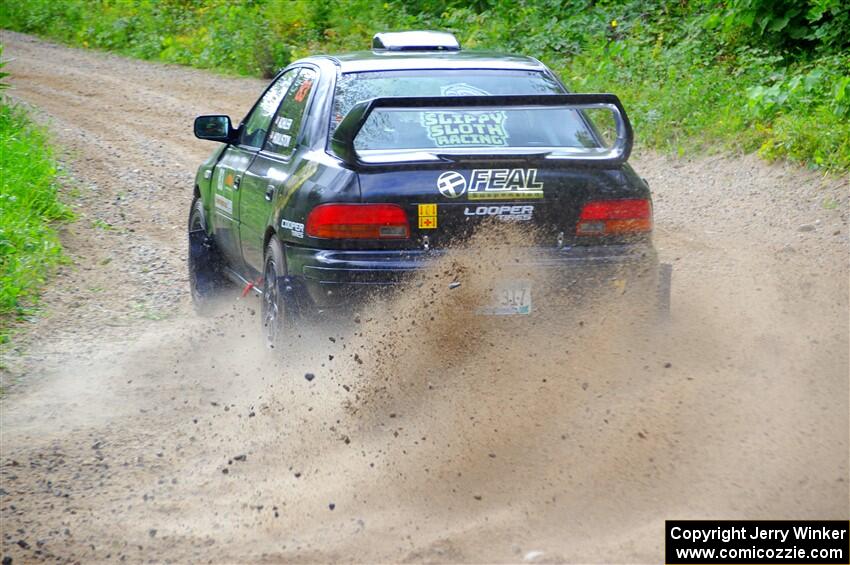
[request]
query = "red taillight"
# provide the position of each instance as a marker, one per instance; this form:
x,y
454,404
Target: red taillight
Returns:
x,y
604,217
358,221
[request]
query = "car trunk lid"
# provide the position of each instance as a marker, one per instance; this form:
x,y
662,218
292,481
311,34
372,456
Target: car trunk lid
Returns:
x,y
445,205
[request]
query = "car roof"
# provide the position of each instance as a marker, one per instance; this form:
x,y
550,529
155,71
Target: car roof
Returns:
x,y
380,60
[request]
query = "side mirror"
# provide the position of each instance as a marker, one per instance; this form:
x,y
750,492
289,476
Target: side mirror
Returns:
x,y
214,128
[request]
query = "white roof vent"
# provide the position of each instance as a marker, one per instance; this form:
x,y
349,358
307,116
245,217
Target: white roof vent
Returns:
x,y
416,41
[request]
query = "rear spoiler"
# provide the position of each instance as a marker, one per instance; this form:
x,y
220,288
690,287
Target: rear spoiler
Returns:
x,y
342,141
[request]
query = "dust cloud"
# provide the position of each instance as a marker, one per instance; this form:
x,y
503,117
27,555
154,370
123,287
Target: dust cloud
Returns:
x,y
419,430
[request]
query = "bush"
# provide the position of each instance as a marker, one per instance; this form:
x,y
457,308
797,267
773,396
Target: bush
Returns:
x,y
747,74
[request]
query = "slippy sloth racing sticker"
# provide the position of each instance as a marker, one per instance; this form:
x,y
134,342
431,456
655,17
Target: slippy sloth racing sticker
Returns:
x,y
465,128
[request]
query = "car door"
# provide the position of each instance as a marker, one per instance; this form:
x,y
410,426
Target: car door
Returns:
x,y
273,167
228,174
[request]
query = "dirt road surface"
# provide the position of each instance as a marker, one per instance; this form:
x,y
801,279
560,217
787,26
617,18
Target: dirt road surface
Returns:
x,y
134,430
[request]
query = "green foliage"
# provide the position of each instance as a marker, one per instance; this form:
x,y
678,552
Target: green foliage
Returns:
x,y
233,36
760,75
29,246
786,24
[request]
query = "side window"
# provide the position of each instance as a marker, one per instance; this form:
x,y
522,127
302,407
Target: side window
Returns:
x,y
257,123
288,122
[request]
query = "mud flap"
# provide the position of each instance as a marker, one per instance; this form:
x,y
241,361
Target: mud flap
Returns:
x,y
294,307
204,263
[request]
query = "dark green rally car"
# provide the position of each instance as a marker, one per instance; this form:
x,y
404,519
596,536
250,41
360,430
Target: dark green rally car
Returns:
x,y
352,171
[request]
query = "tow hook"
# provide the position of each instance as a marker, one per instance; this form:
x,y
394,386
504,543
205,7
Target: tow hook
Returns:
x,y
252,285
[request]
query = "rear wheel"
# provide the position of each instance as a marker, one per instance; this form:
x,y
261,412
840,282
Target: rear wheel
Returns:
x,y
275,315
206,279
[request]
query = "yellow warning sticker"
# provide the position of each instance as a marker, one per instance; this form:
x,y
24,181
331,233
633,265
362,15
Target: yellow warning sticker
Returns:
x,y
427,209
427,216
427,222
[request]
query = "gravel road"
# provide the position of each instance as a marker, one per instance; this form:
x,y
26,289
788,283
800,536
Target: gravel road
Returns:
x,y
133,430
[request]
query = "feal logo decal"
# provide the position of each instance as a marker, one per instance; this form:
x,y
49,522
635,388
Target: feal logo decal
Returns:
x,y
491,184
451,184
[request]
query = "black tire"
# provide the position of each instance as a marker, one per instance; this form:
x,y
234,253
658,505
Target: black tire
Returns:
x,y
276,315
206,278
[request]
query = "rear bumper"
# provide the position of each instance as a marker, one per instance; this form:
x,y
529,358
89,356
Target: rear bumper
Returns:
x,y
325,279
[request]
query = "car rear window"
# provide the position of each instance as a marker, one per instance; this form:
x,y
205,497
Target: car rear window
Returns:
x,y
425,128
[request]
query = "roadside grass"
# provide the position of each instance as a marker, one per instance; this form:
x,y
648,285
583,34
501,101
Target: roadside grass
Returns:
x,y
29,208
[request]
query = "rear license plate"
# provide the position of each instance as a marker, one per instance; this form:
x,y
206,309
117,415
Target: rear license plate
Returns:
x,y
510,298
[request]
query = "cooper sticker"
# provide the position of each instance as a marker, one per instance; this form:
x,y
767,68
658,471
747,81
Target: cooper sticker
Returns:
x,y
491,184
504,213
224,204
295,228
284,123
427,216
